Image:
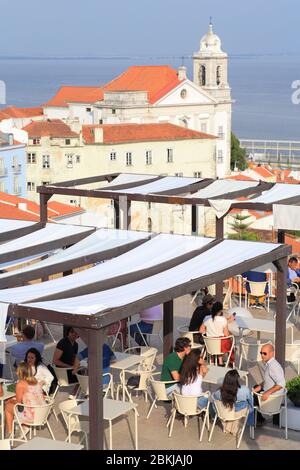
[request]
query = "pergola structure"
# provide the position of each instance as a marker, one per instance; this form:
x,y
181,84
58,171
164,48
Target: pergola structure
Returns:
x,y
160,268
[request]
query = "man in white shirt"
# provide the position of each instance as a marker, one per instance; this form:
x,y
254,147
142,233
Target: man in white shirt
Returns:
x,y
274,380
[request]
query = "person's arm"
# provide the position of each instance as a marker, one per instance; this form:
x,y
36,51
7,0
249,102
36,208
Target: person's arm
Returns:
x,y
257,388
19,392
203,370
175,375
202,329
44,377
56,358
269,392
226,331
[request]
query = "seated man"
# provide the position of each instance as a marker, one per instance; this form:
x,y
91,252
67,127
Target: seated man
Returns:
x,y
20,349
273,377
199,314
65,354
173,362
107,355
293,275
148,317
255,276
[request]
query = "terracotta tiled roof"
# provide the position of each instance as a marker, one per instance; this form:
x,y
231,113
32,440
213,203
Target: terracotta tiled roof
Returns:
x,y
10,209
157,80
263,171
51,127
76,94
13,112
119,133
240,177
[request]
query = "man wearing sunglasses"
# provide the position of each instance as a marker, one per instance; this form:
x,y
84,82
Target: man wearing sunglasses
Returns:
x,y
273,376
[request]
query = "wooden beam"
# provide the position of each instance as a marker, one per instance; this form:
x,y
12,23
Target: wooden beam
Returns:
x,y
219,234
95,345
116,214
194,230
79,182
44,198
20,232
280,327
168,326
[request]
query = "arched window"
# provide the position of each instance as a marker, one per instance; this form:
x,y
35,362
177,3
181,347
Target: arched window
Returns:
x,y
218,75
149,224
202,75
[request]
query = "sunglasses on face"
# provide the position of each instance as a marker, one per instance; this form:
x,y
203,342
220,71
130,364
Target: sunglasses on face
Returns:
x,y
263,353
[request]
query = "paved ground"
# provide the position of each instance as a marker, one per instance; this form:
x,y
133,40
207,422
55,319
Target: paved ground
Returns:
x,y
153,432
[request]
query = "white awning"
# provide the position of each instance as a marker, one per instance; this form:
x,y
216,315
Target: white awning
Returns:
x,y
279,192
125,178
227,254
6,225
161,185
160,249
99,241
223,187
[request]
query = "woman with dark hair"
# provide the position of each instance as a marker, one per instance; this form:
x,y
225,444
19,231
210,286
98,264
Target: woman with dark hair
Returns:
x,y
234,395
216,326
191,375
39,370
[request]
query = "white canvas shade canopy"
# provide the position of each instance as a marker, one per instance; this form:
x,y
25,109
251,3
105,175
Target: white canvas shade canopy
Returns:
x,y
161,249
7,225
223,187
164,184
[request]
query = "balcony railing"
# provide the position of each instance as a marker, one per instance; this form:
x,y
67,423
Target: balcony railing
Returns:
x,y
17,169
3,172
18,191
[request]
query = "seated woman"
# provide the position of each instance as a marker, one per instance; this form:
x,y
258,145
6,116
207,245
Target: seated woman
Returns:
x,y
29,392
40,371
216,326
232,394
191,374
108,357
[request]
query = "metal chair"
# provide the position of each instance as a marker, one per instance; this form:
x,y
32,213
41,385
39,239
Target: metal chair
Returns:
x,y
159,389
213,347
228,416
257,289
72,422
185,333
292,354
188,406
274,405
40,417
250,350
83,381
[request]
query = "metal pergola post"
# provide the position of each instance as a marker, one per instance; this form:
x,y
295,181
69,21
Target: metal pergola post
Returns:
x,y
281,236
95,345
219,234
194,230
168,326
44,198
280,326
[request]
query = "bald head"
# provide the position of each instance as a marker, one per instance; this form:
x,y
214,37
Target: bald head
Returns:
x,y
267,352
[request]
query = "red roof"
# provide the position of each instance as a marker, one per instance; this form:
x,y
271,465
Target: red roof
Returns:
x,y
263,171
157,80
240,177
51,127
13,112
119,133
76,94
10,209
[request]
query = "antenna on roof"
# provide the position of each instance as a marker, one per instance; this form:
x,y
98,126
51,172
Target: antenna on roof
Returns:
x,y
210,20
182,61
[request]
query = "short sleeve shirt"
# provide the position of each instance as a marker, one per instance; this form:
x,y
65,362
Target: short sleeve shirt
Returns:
x,y
171,363
69,351
215,328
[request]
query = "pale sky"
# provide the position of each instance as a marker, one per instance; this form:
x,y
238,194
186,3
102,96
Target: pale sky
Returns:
x,y
144,27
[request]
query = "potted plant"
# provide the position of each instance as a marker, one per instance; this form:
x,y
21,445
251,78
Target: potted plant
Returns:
x,y
293,390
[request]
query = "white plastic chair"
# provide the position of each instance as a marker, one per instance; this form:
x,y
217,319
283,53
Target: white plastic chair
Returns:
x,y
250,350
73,423
5,444
40,417
257,289
274,405
292,354
293,304
213,347
188,406
144,375
185,333
228,416
83,381
156,331
117,336
159,389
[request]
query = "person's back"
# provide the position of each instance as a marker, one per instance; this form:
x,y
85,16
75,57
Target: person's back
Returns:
x,y
215,326
20,349
171,363
193,389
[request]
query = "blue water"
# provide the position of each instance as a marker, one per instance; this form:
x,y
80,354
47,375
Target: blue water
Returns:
x,y
261,87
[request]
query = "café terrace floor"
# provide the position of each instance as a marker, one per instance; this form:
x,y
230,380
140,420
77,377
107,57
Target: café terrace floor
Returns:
x,y
153,434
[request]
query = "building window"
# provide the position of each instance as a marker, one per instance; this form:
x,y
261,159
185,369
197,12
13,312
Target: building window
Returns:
x,y
68,141
36,141
202,75
128,158
77,158
203,127
149,224
149,205
221,132
46,161
218,75
69,161
100,121
148,157
45,183
2,186
17,189
113,156
15,162
3,170
220,156
113,111
30,186
170,155
197,174
88,110
31,158
74,202
179,174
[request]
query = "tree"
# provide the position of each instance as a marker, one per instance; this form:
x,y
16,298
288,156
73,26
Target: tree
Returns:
x,y
240,228
238,154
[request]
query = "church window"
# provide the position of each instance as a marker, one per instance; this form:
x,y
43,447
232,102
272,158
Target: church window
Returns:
x,y
202,75
218,77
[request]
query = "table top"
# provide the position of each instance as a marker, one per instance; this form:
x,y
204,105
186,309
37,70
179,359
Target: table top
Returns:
x,y
216,374
111,408
256,324
41,443
124,361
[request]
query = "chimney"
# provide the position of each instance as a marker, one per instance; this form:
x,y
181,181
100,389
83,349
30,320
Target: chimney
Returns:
x,y
181,73
98,134
22,206
11,139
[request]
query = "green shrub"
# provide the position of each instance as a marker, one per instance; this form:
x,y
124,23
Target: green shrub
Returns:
x,y
293,390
